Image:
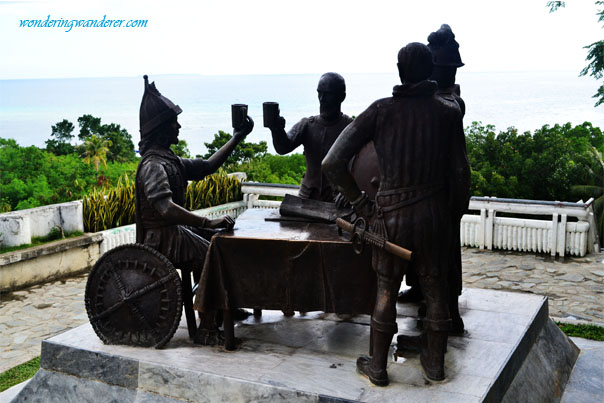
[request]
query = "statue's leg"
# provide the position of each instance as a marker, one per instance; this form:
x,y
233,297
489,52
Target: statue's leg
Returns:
x,y
436,328
455,286
383,320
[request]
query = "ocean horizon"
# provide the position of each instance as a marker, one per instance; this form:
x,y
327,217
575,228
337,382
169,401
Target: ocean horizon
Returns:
x,y
525,100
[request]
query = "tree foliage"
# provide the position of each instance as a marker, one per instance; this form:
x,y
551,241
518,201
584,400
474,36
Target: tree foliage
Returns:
x,y
31,177
60,143
270,168
181,149
244,152
94,151
121,148
543,165
595,51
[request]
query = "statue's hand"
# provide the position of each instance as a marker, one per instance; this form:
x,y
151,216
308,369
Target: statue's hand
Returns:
x,y
279,124
341,201
240,133
227,222
364,207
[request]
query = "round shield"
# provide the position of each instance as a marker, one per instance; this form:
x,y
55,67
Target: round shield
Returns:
x,y
133,297
366,171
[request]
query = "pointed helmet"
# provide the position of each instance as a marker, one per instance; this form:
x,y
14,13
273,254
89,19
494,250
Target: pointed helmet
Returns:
x,y
444,47
155,109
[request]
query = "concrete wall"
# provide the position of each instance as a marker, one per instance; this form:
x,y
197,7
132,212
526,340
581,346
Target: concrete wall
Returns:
x,y
18,227
48,262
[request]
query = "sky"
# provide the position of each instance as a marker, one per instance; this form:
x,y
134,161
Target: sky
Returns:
x,y
286,36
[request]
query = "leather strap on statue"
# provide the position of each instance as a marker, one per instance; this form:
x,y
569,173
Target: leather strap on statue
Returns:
x,y
384,327
428,189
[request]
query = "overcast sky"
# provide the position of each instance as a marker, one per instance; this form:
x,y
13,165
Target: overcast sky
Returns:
x,y
287,36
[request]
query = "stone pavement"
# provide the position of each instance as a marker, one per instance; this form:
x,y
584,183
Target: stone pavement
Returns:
x,y
575,287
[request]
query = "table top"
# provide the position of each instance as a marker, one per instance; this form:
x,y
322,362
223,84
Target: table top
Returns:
x,y
252,224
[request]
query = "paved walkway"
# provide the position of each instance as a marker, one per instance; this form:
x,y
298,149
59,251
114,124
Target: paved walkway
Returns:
x,y
575,287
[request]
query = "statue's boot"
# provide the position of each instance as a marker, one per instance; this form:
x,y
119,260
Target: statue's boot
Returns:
x,y
457,325
374,367
413,294
432,354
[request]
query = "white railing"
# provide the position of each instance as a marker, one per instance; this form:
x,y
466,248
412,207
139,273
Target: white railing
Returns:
x,y
252,192
554,236
484,230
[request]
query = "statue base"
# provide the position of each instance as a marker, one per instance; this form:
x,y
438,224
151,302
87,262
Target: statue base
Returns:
x,y
512,351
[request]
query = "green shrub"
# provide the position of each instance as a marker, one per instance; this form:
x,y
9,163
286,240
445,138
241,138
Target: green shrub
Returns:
x,y
113,207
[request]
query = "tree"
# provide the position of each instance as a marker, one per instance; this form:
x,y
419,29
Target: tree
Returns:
x,y
595,52
181,149
89,125
122,147
595,190
31,177
61,143
244,152
94,151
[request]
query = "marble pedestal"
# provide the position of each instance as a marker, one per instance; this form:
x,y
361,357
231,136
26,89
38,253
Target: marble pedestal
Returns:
x,y
512,352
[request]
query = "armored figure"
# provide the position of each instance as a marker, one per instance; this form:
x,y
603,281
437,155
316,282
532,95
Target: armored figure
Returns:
x,y
446,58
316,134
420,146
162,222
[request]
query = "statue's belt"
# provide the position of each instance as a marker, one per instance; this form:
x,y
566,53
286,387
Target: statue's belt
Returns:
x,y
426,191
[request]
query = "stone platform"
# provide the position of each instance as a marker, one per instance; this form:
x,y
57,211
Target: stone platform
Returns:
x,y
512,352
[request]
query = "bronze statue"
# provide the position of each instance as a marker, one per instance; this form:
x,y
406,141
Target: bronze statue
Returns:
x,y
446,58
162,222
317,134
424,175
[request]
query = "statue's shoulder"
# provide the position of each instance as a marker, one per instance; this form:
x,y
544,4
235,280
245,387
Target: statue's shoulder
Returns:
x,y
382,103
448,104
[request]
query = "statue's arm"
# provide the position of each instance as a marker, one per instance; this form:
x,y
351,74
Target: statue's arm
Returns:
x,y
177,215
215,161
459,171
156,188
286,142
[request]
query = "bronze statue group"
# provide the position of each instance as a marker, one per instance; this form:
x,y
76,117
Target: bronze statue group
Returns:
x,y
419,190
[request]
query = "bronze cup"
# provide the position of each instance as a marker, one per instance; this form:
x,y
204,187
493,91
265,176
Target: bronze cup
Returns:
x,y
238,115
270,111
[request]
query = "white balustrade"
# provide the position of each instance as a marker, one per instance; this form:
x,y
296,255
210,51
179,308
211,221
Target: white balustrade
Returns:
x,y
555,236
483,230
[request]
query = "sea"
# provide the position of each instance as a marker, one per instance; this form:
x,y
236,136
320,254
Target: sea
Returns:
x,y
525,100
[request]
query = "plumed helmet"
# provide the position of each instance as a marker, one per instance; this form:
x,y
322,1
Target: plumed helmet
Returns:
x,y
444,47
155,109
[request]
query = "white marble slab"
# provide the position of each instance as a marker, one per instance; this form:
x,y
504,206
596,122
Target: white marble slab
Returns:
x,y
312,358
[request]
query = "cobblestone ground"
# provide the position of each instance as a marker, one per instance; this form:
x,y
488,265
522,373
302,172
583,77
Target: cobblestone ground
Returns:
x,y
575,287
